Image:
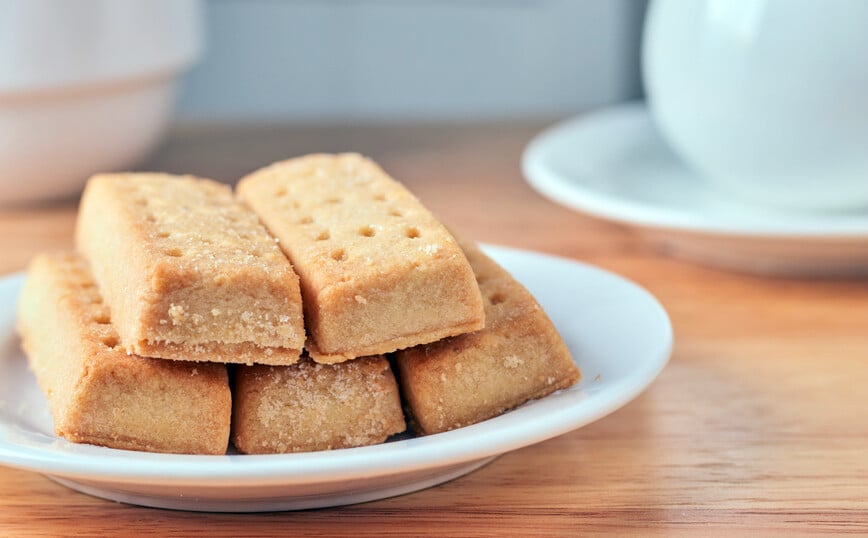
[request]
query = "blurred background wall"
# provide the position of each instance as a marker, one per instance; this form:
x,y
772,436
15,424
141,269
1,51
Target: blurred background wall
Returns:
x,y
395,60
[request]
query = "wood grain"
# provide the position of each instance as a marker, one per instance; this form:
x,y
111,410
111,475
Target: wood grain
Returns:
x,y
757,426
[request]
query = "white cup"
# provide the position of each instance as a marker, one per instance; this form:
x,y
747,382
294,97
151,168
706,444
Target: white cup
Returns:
x,y
766,99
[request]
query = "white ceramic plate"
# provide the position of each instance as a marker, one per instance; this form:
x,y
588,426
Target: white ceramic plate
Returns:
x,y
618,333
613,164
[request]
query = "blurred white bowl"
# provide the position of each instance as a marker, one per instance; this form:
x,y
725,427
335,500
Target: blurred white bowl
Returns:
x,y
85,87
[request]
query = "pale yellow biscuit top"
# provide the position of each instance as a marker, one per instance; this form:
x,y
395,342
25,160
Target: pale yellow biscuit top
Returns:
x,y
195,220
343,218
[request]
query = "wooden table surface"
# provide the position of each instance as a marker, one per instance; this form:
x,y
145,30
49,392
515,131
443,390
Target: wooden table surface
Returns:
x,y
759,423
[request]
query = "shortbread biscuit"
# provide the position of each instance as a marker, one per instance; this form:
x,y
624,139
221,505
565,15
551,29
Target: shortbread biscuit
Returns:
x,y
518,356
97,393
188,271
378,272
310,406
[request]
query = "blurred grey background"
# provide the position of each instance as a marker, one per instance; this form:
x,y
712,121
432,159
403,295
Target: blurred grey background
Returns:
x,y
391,60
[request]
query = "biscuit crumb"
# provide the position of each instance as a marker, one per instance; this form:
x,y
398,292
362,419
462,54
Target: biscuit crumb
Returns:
x,y
176,312
512,361
361,300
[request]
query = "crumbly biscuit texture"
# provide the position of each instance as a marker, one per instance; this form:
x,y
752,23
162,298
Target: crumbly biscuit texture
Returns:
x,y
96,392
378,271
518,356
310,406
188,271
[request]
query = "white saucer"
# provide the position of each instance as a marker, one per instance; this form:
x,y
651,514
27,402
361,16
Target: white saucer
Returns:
x,y
593,310
613,164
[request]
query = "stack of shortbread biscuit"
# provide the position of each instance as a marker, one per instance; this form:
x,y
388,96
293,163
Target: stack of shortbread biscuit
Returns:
x,y
312,283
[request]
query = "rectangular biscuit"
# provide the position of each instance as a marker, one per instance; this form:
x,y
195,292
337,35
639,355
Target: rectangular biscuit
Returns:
x,y
97,393
310,406
188,271
378,272
518,356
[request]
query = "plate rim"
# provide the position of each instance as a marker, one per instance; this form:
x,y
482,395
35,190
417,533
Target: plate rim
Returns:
x,y
378,460
576,194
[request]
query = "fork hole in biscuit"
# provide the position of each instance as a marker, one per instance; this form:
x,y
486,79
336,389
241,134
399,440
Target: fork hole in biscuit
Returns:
x,y
496,298
306,220
150,217
413,233
323,236
101,318
367,231
110,341
380,197
339,255
396,213
162,234
333,200
281,191
173,252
